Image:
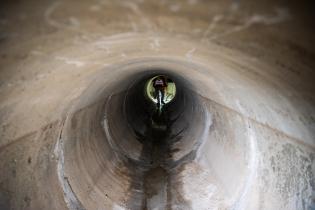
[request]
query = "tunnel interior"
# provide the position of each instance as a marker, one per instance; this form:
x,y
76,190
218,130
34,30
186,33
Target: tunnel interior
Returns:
x,y
136,140
116,151
161,129
157,132
82,126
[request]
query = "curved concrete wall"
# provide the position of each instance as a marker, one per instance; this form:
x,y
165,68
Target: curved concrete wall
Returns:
x,y
74,131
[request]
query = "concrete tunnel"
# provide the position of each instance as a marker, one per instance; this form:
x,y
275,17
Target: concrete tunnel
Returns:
x,y
74,131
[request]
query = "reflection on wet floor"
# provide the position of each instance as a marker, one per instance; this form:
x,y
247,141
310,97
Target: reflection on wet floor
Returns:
x,y
156,146
156,188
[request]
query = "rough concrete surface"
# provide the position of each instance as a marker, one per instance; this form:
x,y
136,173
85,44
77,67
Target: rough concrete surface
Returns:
x,y
74,130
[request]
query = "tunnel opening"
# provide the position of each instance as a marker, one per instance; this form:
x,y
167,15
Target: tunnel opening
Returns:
x,y
125,151
159,134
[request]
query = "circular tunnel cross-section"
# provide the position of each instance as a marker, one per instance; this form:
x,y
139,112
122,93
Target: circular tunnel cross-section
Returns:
x,y
169,89
83,127
130,156
130,142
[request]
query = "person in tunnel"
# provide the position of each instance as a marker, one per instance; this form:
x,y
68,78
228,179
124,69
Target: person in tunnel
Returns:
x,y
160,85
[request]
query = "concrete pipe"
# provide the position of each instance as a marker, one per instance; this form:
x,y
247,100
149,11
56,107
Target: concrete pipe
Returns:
x,y
78,130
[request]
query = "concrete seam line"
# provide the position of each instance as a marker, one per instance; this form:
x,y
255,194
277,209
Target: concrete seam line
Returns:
x,y
69,196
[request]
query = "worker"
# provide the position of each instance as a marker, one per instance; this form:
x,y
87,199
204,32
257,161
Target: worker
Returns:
x,y
160,85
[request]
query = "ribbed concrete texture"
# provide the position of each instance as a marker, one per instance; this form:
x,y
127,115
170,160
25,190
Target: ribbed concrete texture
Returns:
x,y
78,132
